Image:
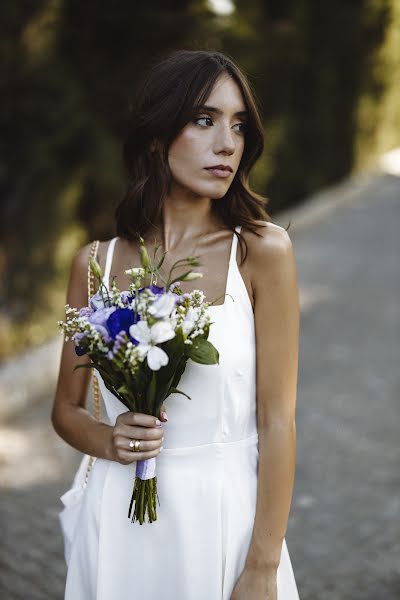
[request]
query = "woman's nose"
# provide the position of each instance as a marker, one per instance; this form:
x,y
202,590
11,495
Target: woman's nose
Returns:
x,y
225,141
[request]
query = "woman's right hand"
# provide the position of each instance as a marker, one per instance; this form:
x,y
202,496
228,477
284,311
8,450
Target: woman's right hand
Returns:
x,y
136,426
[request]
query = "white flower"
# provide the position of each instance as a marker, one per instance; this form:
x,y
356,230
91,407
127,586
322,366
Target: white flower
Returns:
x,y
190,320
162,306
148,337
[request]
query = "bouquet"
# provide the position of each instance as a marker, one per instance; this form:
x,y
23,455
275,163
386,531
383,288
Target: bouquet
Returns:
x,y
140,340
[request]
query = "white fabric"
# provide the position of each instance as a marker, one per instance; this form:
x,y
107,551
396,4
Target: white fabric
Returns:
x,y
72,501
109,257
206,478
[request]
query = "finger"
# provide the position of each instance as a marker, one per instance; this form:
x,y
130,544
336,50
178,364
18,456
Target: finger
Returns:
x,y
123,443
136,418
140,433
163,413
141,419
144,446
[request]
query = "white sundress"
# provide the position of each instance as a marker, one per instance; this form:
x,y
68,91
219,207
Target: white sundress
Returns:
x,y
206,480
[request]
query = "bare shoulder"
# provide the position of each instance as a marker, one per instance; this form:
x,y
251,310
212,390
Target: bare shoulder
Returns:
x,y
81,257
269,246
273,271
77,285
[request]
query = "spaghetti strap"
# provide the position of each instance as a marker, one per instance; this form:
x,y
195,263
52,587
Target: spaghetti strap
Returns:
x,y
109,257
236,288
232,257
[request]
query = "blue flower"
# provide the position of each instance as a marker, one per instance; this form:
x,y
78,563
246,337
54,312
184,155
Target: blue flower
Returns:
x,y
120,320
155,289
78,337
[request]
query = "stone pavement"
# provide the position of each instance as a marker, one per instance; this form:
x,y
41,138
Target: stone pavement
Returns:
x,y
36,467
344,532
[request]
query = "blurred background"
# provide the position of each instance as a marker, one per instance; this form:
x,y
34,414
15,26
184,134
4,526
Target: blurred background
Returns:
x,y
327,79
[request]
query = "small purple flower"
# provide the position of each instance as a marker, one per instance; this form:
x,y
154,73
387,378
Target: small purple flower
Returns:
x,y
78,337
182,297
120,339
100,316
126,297
103,332
97,302
85,311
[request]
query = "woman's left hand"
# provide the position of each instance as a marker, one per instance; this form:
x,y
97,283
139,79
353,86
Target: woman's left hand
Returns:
x,y
253,585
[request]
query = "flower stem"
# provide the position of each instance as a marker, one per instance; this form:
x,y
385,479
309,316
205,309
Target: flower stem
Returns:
x,y
144,500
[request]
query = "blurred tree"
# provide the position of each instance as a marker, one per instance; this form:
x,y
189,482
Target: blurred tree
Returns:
x,y
378,109
107,47
325,75
310,62
68,72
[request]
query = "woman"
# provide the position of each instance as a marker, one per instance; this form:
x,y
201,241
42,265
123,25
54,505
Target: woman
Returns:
x,y
225,474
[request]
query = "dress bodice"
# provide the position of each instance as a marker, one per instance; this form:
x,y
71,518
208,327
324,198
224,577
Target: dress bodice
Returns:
x,y
207,482
223,396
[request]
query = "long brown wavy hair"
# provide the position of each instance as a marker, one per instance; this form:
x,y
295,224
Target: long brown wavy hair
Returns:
x,y
164,103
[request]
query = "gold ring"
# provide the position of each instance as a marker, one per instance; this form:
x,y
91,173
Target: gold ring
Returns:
x,y
134,444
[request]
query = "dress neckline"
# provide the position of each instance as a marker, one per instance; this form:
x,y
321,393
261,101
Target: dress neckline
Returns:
x,y
232,258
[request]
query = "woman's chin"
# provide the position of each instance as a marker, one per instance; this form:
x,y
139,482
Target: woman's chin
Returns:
x,y
216,192
220,194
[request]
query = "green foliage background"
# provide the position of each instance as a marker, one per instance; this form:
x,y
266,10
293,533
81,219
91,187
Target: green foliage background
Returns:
x,y
326,75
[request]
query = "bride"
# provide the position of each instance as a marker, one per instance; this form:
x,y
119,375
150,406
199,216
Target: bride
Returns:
x,y
225,458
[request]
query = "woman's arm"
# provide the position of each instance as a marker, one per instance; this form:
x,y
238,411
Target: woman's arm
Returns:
x,y
277,333
72,421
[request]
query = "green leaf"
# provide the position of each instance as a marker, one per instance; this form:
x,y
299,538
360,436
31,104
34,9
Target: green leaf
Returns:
x,y
203,352
91,365
180,368
162,260
151,392
124,390
176,391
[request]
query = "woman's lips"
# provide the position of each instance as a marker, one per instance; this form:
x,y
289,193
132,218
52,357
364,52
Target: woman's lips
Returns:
x,y
219,172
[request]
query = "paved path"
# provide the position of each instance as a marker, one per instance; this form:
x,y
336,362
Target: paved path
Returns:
x,y
344,532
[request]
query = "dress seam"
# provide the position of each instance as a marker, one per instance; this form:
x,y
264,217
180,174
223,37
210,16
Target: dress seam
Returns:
x,y
222,443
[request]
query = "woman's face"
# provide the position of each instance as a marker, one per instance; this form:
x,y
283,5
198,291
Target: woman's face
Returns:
x,y
215,137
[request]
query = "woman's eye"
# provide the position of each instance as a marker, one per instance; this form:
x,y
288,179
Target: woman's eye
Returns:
x,y
243,127
196,121
206,121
